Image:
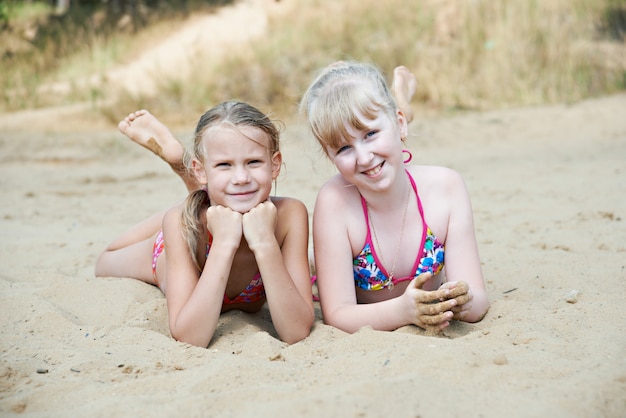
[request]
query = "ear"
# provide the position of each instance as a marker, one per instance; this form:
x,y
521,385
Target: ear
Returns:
x,y
198,171
403,125
277,162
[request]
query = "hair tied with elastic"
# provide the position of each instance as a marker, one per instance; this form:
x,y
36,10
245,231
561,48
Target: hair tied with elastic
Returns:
x,y
409,157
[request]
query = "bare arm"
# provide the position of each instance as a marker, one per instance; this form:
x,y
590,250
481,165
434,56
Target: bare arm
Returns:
x,y
462,258
284,268
333,259
194,303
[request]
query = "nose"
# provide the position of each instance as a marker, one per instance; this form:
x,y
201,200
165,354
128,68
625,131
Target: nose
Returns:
x,y
241,175
363,154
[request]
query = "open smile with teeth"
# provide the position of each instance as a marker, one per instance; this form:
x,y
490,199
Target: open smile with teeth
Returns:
x,y
374,170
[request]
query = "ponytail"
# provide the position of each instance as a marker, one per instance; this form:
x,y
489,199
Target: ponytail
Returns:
x,y
192,228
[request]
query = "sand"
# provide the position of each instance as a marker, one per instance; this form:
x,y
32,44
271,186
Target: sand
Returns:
x,y
547,187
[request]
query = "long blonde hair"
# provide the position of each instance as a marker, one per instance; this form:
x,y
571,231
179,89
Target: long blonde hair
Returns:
x,y
340,91
239,114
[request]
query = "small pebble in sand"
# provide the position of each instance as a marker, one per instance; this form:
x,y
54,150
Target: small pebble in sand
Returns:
x,y
500,360
42,371
572,296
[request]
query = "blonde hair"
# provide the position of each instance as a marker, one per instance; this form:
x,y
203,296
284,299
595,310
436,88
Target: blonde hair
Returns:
x,y
239,114
340,93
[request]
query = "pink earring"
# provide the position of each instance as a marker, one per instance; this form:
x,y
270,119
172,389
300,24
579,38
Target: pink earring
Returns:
x,y
410,156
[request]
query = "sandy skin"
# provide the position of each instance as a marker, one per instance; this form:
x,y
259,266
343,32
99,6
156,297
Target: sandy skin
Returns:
x,y
146,130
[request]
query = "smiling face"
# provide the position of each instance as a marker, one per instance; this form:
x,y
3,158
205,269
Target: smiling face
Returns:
x,y
356,120
370,155
237,168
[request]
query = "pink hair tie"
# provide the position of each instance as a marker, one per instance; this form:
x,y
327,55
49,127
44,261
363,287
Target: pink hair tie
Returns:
x,y
409,158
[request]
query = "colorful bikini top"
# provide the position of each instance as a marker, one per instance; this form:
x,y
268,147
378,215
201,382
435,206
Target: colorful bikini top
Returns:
x,y
254,292
370,274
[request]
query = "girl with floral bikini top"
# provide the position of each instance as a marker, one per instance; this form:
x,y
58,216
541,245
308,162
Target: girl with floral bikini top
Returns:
x,y
362,130
370,273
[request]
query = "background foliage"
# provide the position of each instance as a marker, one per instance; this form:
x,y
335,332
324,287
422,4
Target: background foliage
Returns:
x,y
479,54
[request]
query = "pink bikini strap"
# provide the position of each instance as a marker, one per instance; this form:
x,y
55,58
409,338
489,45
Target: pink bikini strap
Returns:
x,y
424,226
368,238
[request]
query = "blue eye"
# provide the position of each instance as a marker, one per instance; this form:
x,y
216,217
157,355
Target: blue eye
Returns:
x,y
342,149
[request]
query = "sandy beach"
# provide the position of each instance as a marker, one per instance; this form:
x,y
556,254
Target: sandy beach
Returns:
x,y
547,187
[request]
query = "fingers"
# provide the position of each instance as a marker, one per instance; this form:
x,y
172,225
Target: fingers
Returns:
x,y
435,320
463,299
222,222
433,309
260,223
461,292
219,211
419,281
460,288
425,297
435,316
264,213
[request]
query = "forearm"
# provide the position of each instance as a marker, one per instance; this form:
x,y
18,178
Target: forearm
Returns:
x,y
478,309
382,316
197,320
142,231
292,315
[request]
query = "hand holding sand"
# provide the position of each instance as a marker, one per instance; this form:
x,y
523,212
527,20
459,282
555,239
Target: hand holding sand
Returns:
x,y
461,292
433,309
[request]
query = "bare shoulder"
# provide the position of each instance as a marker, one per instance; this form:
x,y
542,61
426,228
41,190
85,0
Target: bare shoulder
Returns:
x,y
172,215
288,205
172,220
337,193
293,219
173,229
291,213
429,177
339,213
436,172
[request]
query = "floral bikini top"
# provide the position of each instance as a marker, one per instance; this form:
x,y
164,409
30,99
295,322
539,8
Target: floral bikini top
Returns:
x,y
369,273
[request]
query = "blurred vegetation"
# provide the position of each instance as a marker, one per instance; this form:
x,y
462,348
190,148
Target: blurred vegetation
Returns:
x,y
482,54
42,47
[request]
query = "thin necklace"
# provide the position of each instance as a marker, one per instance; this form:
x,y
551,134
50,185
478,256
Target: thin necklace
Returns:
x,y
395,256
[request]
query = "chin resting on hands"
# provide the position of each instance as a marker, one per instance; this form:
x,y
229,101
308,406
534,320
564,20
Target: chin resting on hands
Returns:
x,y
224,224
259,223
